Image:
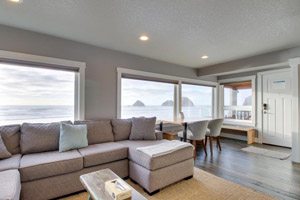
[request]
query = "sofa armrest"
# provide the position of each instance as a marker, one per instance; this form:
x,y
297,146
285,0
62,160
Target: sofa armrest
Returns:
x,y
159,135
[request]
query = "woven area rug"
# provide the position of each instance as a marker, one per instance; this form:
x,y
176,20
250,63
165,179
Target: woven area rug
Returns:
x,y
203,186
267,152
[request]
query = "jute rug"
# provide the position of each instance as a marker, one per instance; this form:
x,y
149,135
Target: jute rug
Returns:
x,y
203,186
268,153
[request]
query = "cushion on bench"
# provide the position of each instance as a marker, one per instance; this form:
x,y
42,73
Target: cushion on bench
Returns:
x,y
47,164
103,153
10,163
10,185
156,162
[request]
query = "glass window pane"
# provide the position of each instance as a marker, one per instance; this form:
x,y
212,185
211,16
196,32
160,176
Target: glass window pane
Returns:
x,y
147,98
29,94
238,102
197,101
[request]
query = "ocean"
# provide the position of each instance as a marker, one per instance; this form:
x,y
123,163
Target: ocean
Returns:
x,y
17,114
166,112
52,113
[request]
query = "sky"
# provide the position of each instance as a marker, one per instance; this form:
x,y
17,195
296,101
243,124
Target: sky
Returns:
x,y
155,93
35,86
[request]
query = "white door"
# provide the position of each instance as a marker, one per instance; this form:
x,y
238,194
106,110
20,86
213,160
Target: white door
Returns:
x,y
277,108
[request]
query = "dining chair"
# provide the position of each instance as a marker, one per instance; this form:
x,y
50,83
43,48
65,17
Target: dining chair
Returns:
x,y
213,132
196,133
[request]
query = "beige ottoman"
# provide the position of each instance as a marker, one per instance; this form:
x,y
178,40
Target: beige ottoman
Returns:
x,y
154,173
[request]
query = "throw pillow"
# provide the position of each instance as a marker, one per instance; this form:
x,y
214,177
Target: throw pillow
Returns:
x,y
72,137
3,151
143,128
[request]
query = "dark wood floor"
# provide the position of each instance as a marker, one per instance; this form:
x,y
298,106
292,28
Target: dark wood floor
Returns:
x,y
278,178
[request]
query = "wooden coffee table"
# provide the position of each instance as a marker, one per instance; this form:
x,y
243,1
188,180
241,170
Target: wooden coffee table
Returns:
x,y
94,183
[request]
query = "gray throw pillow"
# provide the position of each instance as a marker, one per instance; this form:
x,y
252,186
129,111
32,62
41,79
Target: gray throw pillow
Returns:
x,y
72,137
3,151
143,128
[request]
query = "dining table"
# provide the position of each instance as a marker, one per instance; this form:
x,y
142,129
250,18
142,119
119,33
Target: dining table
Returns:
x,y
183,123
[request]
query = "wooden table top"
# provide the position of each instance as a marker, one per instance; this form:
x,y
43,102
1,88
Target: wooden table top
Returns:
x,y
94,183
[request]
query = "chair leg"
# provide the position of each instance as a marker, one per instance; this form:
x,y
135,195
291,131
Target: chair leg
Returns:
x,y
219,144
205,141
204,147
210,145
195,148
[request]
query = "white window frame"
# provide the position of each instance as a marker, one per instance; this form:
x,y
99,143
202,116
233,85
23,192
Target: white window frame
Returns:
x,y
177,89
221,100
55,63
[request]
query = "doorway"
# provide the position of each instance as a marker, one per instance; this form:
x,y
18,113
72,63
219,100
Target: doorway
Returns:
x,y
276,107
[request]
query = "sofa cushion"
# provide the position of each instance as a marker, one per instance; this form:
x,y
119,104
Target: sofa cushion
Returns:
x,y
121,128
47,164
39,137
103,153
10,185
143,128
10,163
99,131
155,163
4,153
11,138
72,137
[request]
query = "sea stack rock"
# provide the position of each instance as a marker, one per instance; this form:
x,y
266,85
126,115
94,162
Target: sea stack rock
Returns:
x,y
168,103
138,103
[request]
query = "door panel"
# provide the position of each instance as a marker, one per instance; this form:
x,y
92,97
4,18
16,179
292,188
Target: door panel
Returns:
x,y
276,93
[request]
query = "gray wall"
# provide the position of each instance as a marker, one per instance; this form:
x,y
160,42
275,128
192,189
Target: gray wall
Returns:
x,y
101,75
255,61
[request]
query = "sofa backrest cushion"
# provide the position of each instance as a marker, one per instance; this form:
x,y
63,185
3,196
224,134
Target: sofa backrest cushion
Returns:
x,y
99,131
39,137
4,153
11,137
121,128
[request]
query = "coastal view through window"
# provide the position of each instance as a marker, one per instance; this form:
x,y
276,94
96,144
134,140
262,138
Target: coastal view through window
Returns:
x,y
147,98
196,101
150,98
238,101
30,94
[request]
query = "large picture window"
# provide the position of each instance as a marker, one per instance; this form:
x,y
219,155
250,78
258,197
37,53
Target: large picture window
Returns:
x,y
239,102
147,98
31,94
197,102
149,94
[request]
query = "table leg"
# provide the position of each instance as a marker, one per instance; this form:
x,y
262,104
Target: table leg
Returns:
x,y
185,131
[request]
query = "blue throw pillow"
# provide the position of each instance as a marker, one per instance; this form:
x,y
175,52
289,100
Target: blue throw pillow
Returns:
x,y
72,137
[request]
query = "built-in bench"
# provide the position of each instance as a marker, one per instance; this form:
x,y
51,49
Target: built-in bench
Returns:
x,y
235,129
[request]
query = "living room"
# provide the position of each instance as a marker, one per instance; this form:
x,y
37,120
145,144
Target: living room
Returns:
x,y
174,99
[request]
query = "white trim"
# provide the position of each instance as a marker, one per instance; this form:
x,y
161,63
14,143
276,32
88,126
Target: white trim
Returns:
x,y
67,64
221,95
250,69
295,65
260,100
166,77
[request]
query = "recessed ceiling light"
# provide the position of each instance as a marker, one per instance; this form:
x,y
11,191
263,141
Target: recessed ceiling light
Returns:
x,y
16,1
144,38
204,57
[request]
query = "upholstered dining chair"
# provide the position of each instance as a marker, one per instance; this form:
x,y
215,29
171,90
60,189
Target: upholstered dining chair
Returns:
x,y
196,133
213,132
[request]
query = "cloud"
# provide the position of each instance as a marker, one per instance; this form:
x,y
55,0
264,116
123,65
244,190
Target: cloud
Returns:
x,y
35,86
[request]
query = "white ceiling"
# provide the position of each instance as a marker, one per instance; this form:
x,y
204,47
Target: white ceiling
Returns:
x,y
180,31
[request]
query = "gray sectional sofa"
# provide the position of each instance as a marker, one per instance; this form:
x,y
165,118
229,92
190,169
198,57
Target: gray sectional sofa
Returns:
x,y
40,171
